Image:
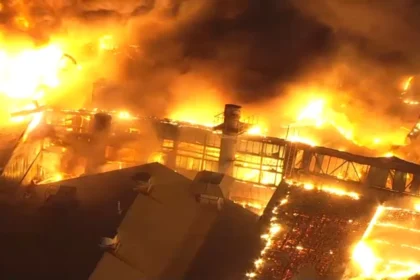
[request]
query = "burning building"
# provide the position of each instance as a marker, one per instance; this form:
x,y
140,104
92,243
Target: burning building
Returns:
x,y
317,198
71,143
145,197
66,144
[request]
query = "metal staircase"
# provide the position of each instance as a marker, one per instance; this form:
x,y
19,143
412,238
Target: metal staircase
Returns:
x,y
289,159
290,152
244,123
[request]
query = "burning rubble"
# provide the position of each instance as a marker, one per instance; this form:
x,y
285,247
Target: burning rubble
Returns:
x,y
325,230
388,248
308,226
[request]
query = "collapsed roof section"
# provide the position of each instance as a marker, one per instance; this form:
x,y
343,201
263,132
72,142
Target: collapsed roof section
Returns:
x,y
309,233
389,247
324,231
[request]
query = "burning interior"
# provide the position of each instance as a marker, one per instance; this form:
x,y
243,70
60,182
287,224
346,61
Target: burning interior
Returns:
x,y
59,144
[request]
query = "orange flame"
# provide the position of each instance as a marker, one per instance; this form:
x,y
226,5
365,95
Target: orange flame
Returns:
x,y
407,83
23,73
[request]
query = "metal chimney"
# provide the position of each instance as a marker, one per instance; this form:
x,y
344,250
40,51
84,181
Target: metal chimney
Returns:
x,y
99,138
230,130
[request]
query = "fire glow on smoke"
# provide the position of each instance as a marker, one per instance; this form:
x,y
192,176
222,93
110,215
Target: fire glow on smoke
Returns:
x,y
311,121
311,112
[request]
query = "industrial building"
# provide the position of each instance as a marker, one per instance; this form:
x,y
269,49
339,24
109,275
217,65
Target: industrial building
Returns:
x,y
145,222
68,144
164,197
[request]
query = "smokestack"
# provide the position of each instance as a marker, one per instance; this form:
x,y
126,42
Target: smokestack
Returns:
x,y
100,131
230,131
415,131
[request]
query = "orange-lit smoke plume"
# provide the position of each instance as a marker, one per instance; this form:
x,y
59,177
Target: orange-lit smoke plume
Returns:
x,y
290,62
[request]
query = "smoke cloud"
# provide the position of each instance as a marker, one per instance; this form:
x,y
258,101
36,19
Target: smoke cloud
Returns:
x,y
243,51
384,28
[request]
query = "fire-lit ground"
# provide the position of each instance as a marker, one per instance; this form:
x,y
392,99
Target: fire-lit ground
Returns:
x,y
309,232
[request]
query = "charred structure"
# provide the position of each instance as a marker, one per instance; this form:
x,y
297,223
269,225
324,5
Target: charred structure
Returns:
x,y
231,128
315,230
61,144
310,192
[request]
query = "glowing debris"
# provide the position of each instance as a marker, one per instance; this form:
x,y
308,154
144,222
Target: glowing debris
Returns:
x,y
380,258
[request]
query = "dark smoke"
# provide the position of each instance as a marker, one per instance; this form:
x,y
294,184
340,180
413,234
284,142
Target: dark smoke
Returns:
x,y
386,28
244,48
249,50
378,45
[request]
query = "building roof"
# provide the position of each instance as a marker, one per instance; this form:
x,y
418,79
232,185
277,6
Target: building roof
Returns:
x,y
55,233
380,162
111,268
316,231
318,228
9,139
170,232
213,183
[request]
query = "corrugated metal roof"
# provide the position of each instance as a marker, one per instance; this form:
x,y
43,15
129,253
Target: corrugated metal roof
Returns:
x,y
212,183
162,235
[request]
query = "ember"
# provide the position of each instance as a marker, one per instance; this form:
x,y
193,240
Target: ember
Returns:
x,y
308,226
382,253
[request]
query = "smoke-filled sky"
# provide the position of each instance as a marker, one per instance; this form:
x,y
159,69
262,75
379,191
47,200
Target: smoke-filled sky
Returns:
x,y
246,51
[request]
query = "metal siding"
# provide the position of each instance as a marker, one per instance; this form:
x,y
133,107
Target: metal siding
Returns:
x,y
377,177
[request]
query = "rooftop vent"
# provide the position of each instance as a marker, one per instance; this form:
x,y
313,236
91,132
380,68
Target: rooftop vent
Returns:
x,y
108,243
210,200
144,182
101,122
